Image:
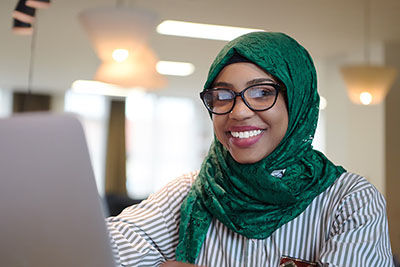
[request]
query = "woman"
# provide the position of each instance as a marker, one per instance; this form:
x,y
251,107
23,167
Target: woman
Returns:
x,y
263,196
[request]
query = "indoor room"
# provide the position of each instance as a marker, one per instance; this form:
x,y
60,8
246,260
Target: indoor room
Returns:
x,y
131,72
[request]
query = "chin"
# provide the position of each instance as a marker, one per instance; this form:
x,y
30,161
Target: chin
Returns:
x,y
249,157
243,159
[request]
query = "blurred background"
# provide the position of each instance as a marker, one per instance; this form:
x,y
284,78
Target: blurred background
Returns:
x,y
149,126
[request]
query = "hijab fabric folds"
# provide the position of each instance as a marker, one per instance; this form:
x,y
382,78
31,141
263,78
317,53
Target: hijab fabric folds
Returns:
x,y
246,197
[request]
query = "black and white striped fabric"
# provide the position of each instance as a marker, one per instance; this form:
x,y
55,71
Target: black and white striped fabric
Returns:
x,y
344,226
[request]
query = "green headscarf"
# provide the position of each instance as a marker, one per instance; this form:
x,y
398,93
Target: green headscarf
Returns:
x,y
246,198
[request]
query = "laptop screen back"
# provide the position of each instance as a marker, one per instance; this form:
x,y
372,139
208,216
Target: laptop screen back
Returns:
x,y
50,209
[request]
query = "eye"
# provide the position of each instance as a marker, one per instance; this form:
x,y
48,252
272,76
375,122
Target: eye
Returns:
x,y
261,91
223,95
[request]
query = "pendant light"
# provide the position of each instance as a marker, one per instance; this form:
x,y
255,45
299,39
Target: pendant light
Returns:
x,y
24,13
120,38
38,3
24,23
22,28
368,84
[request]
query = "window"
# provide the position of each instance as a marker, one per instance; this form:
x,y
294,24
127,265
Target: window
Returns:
x,y
92,111
5,103
165,137
164,140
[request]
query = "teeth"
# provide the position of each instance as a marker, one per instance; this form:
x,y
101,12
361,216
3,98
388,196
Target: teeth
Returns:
x,y
246,134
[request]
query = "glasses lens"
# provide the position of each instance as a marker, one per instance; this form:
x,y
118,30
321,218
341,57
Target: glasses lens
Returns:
x,y
261,96
218,100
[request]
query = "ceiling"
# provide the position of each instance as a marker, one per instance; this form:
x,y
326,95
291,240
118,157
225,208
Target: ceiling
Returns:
x,y
63,53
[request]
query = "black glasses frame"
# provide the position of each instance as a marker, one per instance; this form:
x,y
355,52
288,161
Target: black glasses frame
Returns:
x,y
276,86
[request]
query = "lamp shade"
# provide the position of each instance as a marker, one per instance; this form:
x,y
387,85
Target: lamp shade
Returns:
x,y
24,13
38,3
139,70
368,84
120,36
22,28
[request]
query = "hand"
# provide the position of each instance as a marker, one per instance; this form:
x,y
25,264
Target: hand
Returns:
x,y
177,264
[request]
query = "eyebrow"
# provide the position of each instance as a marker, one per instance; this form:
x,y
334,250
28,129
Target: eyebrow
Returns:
x,y
222,84
248,83
260,80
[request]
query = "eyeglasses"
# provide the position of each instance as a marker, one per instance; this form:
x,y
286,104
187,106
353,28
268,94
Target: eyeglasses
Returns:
x,y
257,97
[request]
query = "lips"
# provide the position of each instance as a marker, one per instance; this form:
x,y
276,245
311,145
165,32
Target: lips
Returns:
x,y
245,136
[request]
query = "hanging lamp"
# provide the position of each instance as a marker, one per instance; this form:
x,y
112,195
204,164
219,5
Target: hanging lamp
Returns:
x,y
24,13
38,3
120,38
368,84
22,28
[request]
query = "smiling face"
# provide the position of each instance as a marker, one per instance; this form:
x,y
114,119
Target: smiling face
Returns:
x,y
249,135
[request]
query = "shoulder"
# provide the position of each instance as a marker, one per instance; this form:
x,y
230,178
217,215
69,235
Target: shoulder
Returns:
x,y
350,184
352,192
357,229
349,202
355,201
177,188
148,231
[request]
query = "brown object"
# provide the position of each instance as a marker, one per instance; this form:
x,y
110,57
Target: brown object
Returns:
x,y
293,262
24,102
116,151
392,150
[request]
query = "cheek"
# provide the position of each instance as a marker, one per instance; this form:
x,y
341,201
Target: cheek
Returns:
x,y
277,119
282,115
218,125
283,124
281,120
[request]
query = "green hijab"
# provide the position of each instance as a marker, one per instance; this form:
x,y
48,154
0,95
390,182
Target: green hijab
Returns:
x,y
246,198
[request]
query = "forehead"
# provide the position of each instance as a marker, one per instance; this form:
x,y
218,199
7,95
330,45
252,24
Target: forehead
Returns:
x,y
239,74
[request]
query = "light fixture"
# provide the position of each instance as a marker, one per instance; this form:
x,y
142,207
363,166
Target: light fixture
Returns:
x,y
136,71
38,3
368,84
24,16
199,30
120,38
120,55
23,24
23,12
365,98
175,68
22,28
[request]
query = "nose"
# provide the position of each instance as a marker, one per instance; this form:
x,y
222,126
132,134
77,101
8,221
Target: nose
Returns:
x,y
240,111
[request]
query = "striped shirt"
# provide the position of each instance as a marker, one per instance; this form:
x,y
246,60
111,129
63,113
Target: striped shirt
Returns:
x,y
346,225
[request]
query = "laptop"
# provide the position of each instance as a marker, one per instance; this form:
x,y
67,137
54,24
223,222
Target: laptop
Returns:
x,y
51,213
